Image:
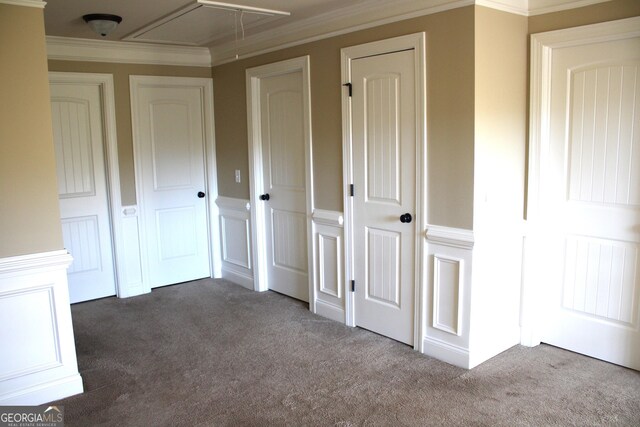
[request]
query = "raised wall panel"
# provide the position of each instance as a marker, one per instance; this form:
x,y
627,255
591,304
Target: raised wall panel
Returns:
x,y
130,268
383,139
289,251
383,257
73,142
176,230
447,287
235,241
170,145
329,265
42,349
286,153
600,278
38,351
604,106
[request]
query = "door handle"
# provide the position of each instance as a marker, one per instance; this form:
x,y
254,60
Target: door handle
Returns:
x,y
200,194
406,218
265,197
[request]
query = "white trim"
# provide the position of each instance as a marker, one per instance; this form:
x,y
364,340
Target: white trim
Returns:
x,y
540,7
233,203
542,47
230,208
417,43
332,218
27,3
34,287
448,236
446,352
75,49
437,283
518,7
258,232
206,87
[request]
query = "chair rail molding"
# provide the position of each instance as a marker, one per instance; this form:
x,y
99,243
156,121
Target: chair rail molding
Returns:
x,y
35,311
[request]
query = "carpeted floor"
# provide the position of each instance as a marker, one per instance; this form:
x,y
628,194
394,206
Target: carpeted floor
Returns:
x,y
213,353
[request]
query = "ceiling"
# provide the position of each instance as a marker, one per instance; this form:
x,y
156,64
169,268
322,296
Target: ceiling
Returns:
x,y
184,23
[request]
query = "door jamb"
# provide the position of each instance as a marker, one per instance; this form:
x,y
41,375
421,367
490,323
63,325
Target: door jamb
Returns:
x,y
258,232
417,43
542,46
210,169
112,170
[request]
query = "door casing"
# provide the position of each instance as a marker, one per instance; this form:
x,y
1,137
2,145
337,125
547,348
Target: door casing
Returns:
x,y
542,46
417,43
110,145
256,181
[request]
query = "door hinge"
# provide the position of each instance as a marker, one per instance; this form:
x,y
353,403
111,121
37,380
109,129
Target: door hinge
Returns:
x,y
350,86
351,190
353,286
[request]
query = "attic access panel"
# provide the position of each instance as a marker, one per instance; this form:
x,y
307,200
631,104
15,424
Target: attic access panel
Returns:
x,y
199,24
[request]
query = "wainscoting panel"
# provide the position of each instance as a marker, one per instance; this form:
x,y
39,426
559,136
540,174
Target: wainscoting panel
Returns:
x,y
235,240
328,270
448,267
130,269
38,351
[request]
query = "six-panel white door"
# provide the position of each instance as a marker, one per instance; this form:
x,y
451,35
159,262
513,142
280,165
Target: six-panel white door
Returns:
x,y
590,200
169,140
384,174
77,118
283,149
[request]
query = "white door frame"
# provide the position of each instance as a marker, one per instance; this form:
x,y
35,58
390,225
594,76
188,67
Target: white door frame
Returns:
x,y
416,42
256,181
211,180
110,146
542,47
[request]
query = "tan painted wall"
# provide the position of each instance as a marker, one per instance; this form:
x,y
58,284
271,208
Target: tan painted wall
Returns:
x,y
121,73
500,116
450,92
29,212
602,12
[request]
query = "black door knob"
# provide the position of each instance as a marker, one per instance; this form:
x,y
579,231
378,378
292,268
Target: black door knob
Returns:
x,y
265,196
406,218
200,194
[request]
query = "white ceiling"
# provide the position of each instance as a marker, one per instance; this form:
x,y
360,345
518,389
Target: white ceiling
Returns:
x,y
179,22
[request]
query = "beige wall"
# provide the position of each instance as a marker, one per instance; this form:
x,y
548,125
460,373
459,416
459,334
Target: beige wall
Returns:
x,y
121,73
601,12
500,116
450,90
29,213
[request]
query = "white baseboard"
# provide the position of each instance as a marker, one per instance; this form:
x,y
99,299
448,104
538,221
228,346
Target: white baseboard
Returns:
x,y
37,354
45,393
329,311
238,278
446,352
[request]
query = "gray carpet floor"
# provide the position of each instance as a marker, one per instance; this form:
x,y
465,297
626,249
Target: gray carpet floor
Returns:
x,y
213,353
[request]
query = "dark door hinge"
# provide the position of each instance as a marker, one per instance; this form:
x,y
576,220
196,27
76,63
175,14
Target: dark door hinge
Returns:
x,y
350,86
351,190
353,286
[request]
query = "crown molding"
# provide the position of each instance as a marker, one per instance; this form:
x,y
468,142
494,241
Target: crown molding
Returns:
x,y
540,7
518,7
28,3
74,49
366,14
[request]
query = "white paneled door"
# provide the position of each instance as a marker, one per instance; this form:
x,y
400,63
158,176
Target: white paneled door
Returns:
x,y
590,201
78,134
384,203
284,177
169,139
